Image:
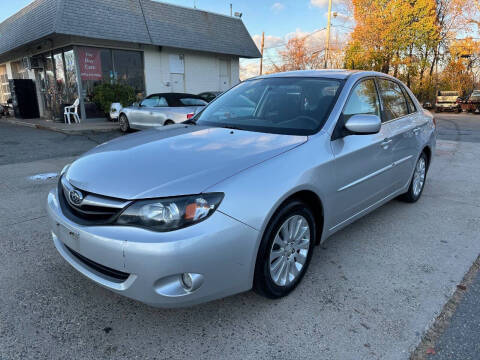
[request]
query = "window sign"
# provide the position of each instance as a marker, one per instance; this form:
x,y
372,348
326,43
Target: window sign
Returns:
x,y
177,64
90,63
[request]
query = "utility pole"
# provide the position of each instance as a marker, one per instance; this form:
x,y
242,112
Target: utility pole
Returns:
x,y
231,9
261,51
327,47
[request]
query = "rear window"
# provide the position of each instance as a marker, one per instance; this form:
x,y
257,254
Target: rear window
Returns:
x,y
394,103
188,101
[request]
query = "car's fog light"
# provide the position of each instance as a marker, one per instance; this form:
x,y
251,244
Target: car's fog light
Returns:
x,y
187,281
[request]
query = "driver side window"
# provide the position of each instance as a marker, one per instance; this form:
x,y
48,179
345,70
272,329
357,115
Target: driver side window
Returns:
x,y
363,100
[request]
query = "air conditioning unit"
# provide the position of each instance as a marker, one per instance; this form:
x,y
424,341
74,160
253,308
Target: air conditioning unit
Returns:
x,y
26,63
36,63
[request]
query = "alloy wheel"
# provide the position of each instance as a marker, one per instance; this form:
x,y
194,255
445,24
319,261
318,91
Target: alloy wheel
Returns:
x,y
123,123
419,177
289,250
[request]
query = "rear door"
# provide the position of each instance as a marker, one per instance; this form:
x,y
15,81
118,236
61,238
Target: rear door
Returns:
x,y
404,122
362,162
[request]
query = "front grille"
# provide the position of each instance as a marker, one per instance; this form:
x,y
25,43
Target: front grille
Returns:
x,y
114,275
93,209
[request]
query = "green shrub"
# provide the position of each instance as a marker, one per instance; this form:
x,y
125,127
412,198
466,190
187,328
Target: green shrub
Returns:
x,y
106,94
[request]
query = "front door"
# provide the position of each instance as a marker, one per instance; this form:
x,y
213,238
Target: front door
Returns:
x,y
362,162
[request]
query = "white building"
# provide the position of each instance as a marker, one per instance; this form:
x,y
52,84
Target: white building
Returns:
x,y
67,47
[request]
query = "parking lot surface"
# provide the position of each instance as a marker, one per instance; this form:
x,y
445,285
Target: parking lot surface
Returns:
x,y
371,294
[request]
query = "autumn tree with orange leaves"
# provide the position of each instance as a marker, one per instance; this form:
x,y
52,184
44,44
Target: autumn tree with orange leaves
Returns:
x,y
297,56
410,39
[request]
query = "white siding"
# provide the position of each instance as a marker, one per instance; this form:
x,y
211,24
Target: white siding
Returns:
x,y
202,71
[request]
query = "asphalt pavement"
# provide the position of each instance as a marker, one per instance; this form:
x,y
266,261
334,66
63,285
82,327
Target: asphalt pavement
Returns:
x,y
371,294
20,144
461,339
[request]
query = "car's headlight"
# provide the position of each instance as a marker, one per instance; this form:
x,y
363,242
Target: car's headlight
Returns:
x,y
170,213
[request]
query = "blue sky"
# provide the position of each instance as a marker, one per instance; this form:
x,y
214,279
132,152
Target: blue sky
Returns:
x,y
279,19
258,15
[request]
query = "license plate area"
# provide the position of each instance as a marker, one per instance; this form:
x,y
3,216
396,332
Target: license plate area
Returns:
x,y
68,236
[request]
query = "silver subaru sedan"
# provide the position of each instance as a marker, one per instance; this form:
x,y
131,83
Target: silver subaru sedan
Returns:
x,y
238,197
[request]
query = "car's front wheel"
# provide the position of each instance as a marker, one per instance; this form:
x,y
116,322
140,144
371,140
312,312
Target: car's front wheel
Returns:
x,y
418,180
124,124
285,251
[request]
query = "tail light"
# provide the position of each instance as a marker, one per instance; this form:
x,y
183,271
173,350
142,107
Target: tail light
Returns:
x,y
191,115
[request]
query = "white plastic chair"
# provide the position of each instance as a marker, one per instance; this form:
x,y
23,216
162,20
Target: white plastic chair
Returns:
x,y
72,110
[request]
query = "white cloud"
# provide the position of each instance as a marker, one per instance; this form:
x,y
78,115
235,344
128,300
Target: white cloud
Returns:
x,y
319,3
249,68
277,7
270,40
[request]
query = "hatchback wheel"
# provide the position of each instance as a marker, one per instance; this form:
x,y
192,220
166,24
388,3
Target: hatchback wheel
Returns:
x,y
285,251
124,124
418,180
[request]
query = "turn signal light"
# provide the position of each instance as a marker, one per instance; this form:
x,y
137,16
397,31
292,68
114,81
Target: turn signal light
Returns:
x,y
191,115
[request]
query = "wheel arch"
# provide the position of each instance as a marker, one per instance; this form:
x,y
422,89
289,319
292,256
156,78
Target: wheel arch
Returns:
x,y
428,152
313,201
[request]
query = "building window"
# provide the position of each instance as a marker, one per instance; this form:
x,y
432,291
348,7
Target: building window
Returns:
x,y
4,87
98,66
18,70
128,67
70,76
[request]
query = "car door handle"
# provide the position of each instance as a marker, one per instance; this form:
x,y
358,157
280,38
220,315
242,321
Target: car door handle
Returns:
x,y
385,143
416,130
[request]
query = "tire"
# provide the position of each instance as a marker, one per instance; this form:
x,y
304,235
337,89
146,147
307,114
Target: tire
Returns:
x,y
414,193
124,124
168,122
292,256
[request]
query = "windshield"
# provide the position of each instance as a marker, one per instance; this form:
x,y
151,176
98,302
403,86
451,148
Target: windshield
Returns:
x,y
296,106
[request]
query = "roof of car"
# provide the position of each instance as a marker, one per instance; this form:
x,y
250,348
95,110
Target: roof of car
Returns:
x,y
325,73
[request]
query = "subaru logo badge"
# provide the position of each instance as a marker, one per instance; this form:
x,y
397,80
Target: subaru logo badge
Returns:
x,y
76,197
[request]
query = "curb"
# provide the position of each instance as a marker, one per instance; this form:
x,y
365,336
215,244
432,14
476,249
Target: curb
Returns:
x,y
62,131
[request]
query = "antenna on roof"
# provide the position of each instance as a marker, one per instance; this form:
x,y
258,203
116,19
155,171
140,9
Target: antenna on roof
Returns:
x,y
194,4
231,9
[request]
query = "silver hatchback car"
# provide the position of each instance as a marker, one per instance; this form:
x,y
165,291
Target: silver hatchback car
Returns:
x,y
238,197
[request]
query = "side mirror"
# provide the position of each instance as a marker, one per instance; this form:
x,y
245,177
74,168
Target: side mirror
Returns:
x,y
363,124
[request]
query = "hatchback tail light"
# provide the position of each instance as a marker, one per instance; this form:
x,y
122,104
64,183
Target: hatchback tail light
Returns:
x,y
191,115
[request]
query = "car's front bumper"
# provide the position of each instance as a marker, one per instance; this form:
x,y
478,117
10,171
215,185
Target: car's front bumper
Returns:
x,y
220,249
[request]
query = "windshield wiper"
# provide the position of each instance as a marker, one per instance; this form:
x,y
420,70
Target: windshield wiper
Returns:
x,y
233,127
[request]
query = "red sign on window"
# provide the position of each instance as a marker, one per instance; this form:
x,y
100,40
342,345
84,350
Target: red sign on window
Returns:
x,y
90,63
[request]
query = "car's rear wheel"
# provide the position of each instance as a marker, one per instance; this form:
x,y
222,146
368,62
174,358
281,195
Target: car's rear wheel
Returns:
x,y
418,180
124,124
168,122
285,251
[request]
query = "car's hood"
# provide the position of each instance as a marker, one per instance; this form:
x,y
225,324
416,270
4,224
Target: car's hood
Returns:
x,y
173,160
